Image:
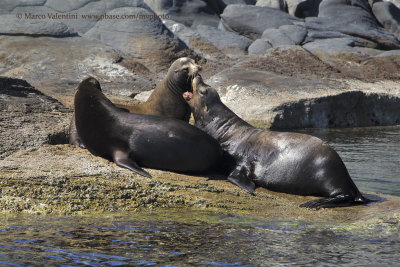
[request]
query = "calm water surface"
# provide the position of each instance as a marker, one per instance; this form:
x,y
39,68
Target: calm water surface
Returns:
x,y
200,238
372,155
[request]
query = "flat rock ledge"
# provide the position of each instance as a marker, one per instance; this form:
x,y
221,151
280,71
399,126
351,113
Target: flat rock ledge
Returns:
x,y
67,180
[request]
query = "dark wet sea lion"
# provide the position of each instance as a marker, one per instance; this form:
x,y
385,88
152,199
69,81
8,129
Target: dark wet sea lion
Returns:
x,y
134,141
166,99
280,161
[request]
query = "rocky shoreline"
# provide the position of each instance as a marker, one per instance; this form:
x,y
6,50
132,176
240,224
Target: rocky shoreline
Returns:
x,y
301,67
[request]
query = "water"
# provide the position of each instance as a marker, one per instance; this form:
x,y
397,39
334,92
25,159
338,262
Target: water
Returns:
x,y
372,155
155,239
204,238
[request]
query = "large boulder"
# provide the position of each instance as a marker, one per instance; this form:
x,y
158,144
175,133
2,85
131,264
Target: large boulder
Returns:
x,y
389,16
12,25
349,109
227,42
354,19
147,39
190,13
252,21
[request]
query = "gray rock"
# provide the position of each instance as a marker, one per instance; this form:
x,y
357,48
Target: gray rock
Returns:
x,y
389,16
57,65
11,25
66,5
190,13
259,46
295,32
349,109
277,37
313,35
184,33
29,118
241,19
253,93
277,4
8,5
227,42
395,53
325,48
145,38
338,15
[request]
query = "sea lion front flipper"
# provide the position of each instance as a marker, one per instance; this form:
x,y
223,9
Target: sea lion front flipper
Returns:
x,y
122,159
240,178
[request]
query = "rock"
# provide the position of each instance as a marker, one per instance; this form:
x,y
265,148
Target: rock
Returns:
x,y
8,5
277,37
255,87
29,118
277,4
58,65
259,46
227,42
11,25
194,40
296,33
147,39
66,180
240,18
350,57
186,34
290,61
354,20
190,13
389,16
285,35
252,90
66,5
350,109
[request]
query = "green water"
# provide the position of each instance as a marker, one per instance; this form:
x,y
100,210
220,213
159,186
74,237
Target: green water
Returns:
x,y
169,239
205,238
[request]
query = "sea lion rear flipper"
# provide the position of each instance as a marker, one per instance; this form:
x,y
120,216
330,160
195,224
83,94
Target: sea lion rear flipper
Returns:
x,y
240,178
122,159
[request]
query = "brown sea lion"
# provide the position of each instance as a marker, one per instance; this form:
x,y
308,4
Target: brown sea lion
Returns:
x,y
166,99
134,141
280,161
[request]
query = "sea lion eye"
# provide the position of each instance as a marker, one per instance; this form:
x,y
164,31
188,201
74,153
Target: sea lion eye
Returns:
x,y
203,91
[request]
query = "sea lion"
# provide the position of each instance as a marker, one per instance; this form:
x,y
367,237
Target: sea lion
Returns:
x,y
134,141
166,99
280,161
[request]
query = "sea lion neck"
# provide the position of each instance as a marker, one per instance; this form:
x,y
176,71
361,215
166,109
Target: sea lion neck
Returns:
x,y
220,122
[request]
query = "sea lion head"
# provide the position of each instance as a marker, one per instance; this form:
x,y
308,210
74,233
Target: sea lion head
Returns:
x,y
183,70
203,96
89,82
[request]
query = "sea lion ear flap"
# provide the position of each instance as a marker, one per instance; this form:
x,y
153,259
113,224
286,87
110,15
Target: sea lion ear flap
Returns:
x,y
239,178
